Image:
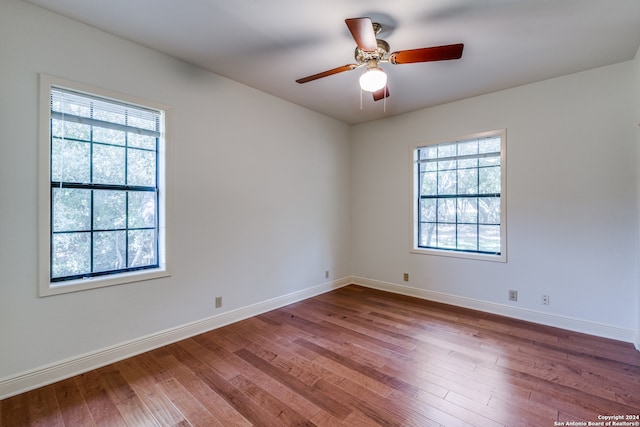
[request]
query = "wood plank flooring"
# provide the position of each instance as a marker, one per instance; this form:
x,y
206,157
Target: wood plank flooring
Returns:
x,y
353,357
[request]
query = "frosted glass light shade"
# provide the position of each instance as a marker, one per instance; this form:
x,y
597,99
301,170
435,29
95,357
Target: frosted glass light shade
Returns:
x,y
373,79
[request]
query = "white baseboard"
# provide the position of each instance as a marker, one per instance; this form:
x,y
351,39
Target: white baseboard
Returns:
x,y
564,322
57,371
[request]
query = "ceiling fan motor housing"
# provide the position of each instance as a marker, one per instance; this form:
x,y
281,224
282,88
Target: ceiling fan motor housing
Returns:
x,y
381,53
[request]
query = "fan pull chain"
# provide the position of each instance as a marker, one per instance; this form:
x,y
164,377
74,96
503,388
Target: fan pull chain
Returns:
x,y
384,109
360,99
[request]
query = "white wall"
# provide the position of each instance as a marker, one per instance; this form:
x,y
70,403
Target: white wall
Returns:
x,y
572,222
260,193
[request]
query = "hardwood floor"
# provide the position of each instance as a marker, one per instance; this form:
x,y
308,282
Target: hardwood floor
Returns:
x,y
354,357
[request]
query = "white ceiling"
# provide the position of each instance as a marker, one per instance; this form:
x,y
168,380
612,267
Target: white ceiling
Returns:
x,y
269,44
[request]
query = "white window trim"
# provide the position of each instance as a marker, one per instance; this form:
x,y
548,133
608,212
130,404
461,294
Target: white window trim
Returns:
x,y
503,201
45,287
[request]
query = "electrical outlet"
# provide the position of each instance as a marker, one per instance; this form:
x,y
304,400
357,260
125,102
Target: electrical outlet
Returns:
x,y
406,277
218,302
326,274
513,295
545,299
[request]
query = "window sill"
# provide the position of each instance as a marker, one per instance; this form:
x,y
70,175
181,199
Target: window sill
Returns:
x,y
56,288
457,254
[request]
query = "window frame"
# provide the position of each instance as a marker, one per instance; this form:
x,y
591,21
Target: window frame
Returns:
x,y
415,197
47,286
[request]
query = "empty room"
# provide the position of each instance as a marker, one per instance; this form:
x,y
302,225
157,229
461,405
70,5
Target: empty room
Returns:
x,y
412,213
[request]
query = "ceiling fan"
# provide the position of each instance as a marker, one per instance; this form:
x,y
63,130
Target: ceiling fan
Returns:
x,y
370,52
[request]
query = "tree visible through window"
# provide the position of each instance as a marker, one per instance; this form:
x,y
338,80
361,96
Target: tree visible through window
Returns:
x,y
459,201
104,186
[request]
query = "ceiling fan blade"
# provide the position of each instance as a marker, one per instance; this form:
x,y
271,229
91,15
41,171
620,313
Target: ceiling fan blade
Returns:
x,y
327,73
427,54
381,94
362,32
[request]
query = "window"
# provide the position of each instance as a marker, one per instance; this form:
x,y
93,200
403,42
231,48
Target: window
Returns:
x,y
105,216
459,200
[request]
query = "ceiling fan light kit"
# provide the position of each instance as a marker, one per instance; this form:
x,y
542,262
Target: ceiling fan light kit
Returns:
x,y
372,52
373,79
